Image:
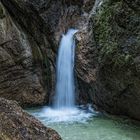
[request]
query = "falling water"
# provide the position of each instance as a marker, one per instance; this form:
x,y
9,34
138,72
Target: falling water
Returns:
x,y
65,97
64,108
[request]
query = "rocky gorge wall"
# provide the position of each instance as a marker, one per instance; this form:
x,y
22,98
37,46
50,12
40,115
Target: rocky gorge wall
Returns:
x,y
116,26
20,78
107,53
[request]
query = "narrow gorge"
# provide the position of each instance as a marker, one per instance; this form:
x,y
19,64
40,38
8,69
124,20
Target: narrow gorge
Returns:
x,y
102,82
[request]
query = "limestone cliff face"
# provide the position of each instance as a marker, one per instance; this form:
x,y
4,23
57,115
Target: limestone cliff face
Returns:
x,y
20,79
116,27
108,47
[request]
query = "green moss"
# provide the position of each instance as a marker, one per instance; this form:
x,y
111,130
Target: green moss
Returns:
x,y
106,34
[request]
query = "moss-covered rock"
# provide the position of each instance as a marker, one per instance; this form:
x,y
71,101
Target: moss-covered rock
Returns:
x,y
112,31
117,34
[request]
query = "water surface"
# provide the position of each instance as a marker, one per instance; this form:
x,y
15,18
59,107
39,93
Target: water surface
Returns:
x,y
87,125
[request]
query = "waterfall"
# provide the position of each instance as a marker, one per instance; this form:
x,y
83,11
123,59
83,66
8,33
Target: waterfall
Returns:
x,y
64,108
65,90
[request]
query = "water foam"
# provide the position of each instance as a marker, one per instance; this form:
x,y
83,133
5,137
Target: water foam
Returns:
x,y
66,115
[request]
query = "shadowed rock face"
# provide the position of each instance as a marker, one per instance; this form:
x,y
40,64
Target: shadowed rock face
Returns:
x,y
20,79
116,27
15,124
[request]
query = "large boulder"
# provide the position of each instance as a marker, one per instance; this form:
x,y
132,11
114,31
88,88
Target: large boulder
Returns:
x,y
15,124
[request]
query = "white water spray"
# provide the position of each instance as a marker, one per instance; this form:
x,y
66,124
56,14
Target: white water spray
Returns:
x,y
65,95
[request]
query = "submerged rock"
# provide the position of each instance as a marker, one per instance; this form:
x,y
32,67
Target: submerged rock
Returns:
x,y
15,124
